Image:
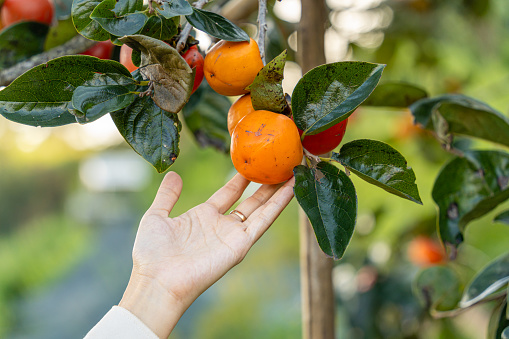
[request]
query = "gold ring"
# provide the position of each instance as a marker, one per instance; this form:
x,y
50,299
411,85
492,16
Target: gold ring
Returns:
x,y
239,214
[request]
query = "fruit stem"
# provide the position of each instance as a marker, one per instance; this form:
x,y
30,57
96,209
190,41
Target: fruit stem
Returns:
x,y
262,27
187,28
312,157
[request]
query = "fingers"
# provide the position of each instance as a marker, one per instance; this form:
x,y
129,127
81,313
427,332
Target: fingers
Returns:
x,y
227,195
265,215
167,194
259,198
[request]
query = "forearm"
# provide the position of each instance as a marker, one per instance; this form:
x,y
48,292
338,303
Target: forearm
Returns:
x,y
153,305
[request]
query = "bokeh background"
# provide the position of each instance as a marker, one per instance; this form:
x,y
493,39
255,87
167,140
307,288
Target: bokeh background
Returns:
x,y
71,197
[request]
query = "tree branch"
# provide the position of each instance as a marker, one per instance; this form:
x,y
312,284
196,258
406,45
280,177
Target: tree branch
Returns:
x,y
187,28
262,27
76,45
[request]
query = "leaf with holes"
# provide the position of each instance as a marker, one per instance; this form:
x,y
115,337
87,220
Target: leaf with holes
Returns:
x,y
468,188
328,94
42,95
381,165
328,197
172,77
174,8
267,88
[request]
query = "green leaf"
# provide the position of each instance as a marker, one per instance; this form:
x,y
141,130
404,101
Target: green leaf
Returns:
x,y
42,95
438,288
206,116
103,94
216,25
468,188
161,28
381,165
328,197
498,322
60,34
150,131
490,279
267,88
328,94
462,115
21,41
503,217
174,8
160,63
118,18
90,29
395,94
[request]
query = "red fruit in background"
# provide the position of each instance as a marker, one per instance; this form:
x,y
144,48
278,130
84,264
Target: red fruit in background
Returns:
x,y
195,60
424,251
26,10
125,58
325,141
101,50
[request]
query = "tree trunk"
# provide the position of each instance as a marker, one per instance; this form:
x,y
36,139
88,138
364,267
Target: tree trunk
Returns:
x,y
316,269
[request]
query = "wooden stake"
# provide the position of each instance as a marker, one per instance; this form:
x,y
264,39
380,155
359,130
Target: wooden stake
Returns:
x,y
316,269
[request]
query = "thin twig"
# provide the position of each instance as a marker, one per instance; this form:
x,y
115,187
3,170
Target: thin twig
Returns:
x,y
452,313
151,7
262,27
76,45
187,28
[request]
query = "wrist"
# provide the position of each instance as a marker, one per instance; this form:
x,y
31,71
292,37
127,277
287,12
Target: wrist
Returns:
x,y
150,302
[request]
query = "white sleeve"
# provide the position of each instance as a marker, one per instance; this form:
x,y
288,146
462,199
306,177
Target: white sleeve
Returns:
x,y
122,324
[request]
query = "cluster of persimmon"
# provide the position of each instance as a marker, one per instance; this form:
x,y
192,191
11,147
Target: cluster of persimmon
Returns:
x,y
265,146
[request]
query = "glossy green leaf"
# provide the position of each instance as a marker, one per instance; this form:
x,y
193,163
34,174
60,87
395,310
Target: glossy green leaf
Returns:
x,y
328,197
59,34
267,88
21,41
90,29
462,115
42,95
206,116
503,217
328,94
381,165
118,17
490,279
161,28
172,77
468,188
174,8
103,94
395,94
150,131
438,288
216,25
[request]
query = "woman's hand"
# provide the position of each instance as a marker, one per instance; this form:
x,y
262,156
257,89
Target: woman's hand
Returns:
x,y
177,259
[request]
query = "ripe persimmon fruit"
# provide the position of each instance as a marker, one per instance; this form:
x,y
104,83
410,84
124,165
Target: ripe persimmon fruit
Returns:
x,y
14,11
125,58
232,66
424,251
239,109
266,147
